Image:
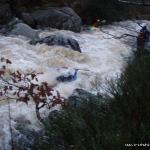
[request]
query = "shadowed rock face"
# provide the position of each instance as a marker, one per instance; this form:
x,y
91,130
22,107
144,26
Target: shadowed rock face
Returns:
x,y
24,136
27,18
60,41
60,18
37,15
78,96
5,13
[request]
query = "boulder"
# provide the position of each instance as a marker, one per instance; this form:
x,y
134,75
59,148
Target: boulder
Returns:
x,y
5,13
79,96
26,138
6,29
27,18
60,18
59,40
24,30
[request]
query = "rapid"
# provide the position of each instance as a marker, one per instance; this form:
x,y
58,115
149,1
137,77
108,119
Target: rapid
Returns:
x,y
103,57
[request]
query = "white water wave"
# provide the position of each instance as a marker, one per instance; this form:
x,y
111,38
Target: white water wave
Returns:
x,y
101,57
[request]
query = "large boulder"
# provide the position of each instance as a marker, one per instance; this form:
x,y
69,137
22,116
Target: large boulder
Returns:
x,y
78,96
60,18
25,30
27,19
5,13
59,40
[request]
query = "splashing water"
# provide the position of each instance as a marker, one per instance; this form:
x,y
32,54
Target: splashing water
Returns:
x,y
100,57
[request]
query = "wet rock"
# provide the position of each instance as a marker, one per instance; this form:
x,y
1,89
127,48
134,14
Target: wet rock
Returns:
x,y
78,96
60,18
6,29
59,40
53,114
27,18
24,136
21,120
26,139
25,30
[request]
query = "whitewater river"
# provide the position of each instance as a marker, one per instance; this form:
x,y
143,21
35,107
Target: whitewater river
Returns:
x,y
102,57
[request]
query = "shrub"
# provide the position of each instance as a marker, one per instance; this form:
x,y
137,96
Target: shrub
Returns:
x,y
131,101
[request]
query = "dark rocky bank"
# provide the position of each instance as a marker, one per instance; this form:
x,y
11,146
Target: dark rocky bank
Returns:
x,y
41,17
64,14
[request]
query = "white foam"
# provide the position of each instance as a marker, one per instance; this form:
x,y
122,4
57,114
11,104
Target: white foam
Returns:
x,y
100,57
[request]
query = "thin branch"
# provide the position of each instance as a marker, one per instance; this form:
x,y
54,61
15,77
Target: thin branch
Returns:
x,y
117,37
38,114
23,89
39,107
127,28
5,81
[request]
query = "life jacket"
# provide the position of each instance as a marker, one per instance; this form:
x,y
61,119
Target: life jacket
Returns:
x,y
141,35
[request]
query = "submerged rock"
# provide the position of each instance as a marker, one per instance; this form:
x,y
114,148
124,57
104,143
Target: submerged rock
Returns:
x,y
60,41
24,30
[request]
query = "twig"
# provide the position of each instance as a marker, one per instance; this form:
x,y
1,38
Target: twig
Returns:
x,y
5,81
117,37
127,28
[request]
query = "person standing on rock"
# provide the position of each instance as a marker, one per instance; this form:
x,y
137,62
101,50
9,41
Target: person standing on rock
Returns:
x,y
143,37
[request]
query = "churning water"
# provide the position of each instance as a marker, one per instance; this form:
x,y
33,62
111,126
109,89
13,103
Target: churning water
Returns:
x,y
102,56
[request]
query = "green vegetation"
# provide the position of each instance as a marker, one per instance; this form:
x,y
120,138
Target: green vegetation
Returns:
x,y
106,122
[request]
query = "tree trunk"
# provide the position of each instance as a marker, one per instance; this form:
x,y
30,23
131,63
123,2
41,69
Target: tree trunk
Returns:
x,y
38,114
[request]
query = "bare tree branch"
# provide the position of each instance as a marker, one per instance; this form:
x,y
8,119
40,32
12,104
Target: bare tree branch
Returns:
x,y
22,87
117,37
